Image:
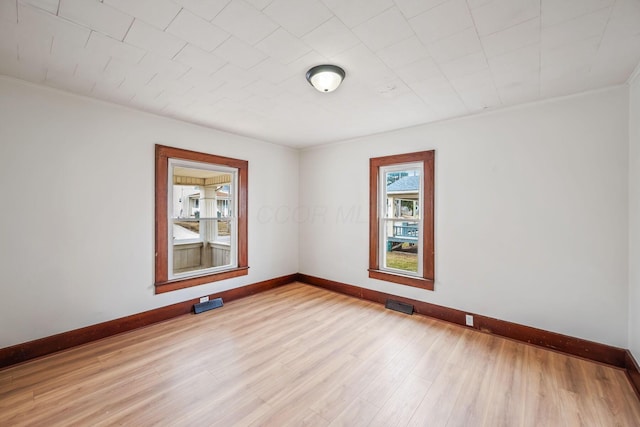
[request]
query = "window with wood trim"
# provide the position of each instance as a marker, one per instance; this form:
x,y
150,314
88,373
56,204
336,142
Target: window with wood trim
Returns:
x,y
201,218
401,219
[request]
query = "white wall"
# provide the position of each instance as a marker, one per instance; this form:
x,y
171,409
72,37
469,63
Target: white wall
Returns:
x,y
634,217
77,217
531,213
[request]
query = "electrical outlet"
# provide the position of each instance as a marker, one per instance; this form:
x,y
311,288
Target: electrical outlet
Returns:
x,y
204,299
468,319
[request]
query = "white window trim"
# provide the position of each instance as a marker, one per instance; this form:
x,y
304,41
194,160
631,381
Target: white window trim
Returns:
x,y
233,219
383,219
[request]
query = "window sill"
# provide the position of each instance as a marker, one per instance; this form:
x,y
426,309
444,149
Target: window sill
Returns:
x,y
172,285
416,282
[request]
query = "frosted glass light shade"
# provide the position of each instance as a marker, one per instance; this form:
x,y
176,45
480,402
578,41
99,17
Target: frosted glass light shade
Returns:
x,y
325,78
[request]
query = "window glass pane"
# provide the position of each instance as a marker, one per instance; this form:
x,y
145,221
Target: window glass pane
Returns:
x,y
403,193
186,229
202,216
192,253
401,245
400,199
221,246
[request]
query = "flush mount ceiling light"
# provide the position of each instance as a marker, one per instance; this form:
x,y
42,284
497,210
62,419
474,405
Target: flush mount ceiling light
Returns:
x,y
325,78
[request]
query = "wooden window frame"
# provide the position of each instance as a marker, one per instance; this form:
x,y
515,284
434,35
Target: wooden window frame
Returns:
x,y
162,282
426,281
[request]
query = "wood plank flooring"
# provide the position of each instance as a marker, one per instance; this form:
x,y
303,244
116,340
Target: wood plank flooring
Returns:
x,y
299,355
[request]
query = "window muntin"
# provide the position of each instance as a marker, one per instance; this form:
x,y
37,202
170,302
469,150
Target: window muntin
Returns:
x,y
203,239
227,209
401,207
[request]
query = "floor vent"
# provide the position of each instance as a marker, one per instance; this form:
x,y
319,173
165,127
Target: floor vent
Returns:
x,y
207,305
399,306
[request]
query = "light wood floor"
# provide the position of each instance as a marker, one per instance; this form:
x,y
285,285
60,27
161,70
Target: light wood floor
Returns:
x,y
299,355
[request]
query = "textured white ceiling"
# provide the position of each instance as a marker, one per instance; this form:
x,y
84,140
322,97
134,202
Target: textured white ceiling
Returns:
x,y
239,65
